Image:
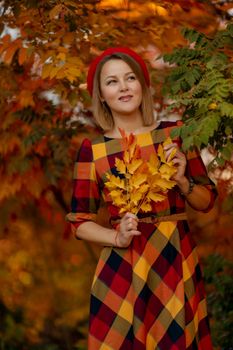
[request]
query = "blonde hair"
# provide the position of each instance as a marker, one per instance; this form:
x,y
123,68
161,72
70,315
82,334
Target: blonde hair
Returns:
x,y
102,112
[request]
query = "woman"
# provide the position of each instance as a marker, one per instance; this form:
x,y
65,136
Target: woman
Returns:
x,y
147,291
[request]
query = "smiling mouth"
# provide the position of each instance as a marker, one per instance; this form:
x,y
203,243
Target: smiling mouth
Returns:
x,y
125,98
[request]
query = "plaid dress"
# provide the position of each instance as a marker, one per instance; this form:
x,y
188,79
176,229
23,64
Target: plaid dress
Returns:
x,y
150,295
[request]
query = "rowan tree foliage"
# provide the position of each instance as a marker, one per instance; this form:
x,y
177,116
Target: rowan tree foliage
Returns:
x,y
201,83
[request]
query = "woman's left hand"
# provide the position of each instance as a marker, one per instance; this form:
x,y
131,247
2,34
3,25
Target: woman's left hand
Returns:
x,y
179,161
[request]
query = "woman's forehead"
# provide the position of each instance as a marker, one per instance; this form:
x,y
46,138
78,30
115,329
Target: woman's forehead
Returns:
x,y
115,67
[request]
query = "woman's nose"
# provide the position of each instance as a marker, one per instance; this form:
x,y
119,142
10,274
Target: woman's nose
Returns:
x,y
123,85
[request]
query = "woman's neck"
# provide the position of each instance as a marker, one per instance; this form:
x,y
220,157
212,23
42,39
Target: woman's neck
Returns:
x,y
133,127
129,123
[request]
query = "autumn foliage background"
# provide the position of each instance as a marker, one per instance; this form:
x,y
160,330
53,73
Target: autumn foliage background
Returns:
x,y
45,48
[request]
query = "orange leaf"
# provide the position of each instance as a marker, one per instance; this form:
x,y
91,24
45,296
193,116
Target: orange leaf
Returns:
x,y
9,54
6,38
55,11
26,98
54,71
46,71
22,55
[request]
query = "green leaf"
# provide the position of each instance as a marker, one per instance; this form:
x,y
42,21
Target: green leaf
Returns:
x,y
226,109
176,132
188,143
227,152
228,130
218,60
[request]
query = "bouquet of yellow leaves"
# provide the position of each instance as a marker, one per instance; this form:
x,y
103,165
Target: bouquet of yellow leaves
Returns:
x,y
140,182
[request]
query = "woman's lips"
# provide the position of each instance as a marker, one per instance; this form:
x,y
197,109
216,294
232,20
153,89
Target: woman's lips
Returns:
x,y
125,98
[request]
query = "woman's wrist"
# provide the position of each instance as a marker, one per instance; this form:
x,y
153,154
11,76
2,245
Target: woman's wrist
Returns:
x,y
117,230
186,186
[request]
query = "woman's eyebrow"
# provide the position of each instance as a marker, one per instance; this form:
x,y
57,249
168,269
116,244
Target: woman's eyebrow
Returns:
x,y
114,76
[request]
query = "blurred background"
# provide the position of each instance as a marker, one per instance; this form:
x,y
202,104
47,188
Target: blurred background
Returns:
x,y
45,50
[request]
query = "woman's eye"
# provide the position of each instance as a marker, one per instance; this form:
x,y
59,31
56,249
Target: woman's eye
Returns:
x,y
112,81
132,77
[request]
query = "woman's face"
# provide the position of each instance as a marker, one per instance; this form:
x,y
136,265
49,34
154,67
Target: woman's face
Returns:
x,y
120,87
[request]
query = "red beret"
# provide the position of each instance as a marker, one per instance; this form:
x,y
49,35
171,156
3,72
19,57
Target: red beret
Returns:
x,y
111,51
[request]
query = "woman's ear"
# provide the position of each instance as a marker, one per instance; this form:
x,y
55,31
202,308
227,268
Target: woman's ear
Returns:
x,y
101,99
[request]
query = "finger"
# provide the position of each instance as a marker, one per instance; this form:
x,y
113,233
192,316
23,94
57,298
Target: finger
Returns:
x,y
134,233
179,161
130,215
169,146
171,150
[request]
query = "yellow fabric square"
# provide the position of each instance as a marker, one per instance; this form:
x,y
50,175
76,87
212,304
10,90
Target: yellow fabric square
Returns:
x,y
141,268
99,151
174,306
186,271
106,347
144,140
188,336
126,311
150,342
202,310
167,228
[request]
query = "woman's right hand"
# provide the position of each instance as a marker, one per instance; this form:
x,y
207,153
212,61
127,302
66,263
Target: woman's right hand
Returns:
x,y
126,230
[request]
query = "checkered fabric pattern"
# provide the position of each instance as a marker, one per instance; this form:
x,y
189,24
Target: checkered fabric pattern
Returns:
x,y
148,296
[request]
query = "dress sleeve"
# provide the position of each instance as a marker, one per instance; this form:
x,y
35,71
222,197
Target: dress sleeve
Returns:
x,y
86,194
197,171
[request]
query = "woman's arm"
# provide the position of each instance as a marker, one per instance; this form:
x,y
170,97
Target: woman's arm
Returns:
x,y
198,196
121,237
92,232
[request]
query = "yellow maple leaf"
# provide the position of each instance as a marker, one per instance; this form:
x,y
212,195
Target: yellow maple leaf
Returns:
x,y
134,165
146,207
152,180
125,209
115,182
143,188
172,154
136,197
167,171
138,180
115,194
161,153
153,163
119,201
165,184
134,210
168,141
126,157
156,197
120,165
